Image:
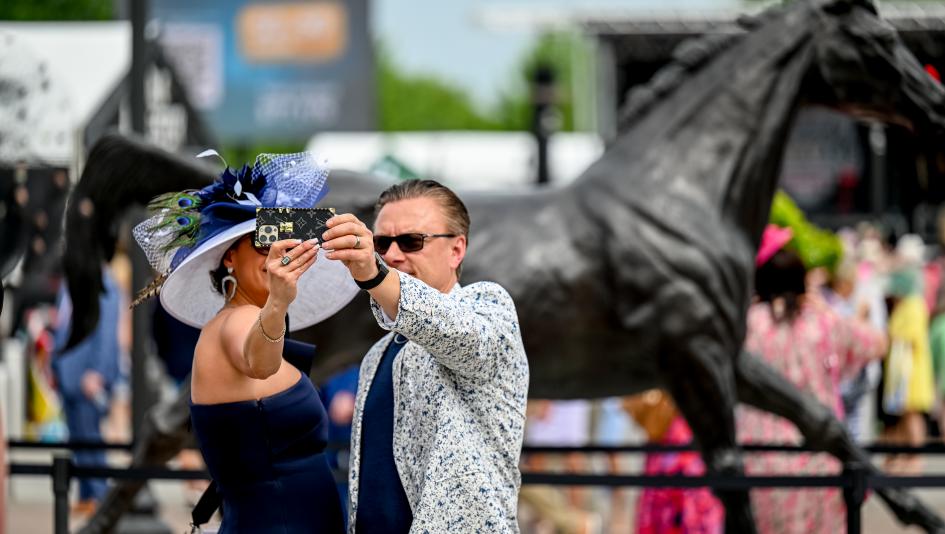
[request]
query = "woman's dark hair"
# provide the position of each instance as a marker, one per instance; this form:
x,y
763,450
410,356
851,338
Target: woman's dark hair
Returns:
x,y
782,277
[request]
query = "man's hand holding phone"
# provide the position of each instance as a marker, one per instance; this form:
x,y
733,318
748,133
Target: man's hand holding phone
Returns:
x,y
350,241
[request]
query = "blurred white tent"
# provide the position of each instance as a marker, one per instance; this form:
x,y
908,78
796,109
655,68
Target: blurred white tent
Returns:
x,y
55,76
468,160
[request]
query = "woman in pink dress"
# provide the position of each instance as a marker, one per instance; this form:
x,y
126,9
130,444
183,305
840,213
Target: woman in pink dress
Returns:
x,y
672,510
796,333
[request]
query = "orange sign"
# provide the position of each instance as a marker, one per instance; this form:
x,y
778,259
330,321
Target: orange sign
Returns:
x,y
292,32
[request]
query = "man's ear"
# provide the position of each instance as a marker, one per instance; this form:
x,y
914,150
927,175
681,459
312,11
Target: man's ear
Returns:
x,y
458,252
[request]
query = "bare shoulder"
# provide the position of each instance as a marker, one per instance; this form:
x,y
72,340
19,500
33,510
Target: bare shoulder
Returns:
x,y
237,319
224,326
215,377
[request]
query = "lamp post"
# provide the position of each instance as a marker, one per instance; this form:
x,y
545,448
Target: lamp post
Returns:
x,y
545,118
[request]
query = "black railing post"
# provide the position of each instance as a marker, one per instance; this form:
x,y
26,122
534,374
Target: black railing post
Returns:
x,y
854,495
61,476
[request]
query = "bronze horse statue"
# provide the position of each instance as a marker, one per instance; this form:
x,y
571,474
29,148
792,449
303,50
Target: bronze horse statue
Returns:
x,y
638,274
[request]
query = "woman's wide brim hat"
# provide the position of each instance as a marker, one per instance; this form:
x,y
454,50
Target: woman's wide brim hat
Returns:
x,y
189,232
189,296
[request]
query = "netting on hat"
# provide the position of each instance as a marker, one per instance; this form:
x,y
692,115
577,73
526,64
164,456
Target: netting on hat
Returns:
x,y
154,241
293,180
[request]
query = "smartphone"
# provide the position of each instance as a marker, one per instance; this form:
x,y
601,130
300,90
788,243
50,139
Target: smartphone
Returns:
x,y
276,224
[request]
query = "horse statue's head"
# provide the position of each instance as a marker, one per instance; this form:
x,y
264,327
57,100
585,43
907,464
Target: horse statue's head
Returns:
x,y
706,134
863,68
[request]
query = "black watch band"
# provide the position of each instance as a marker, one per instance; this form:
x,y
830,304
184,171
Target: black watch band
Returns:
x,y
376,281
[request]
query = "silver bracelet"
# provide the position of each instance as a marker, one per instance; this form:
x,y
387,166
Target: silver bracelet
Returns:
x,y
263,332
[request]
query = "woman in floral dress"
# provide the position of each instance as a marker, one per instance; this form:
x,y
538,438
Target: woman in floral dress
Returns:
x,y
796,333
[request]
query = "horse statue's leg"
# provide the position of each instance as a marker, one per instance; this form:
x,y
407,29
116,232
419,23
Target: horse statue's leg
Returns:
x,y
762,387
165,432
705,395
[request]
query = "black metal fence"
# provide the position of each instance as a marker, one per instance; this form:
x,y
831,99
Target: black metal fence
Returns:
x,y
855,480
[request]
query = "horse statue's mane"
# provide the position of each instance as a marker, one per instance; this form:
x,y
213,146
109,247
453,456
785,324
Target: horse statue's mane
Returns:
x,y
688,57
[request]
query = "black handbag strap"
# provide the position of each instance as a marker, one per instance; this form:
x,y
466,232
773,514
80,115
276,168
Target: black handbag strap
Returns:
x,y
206,506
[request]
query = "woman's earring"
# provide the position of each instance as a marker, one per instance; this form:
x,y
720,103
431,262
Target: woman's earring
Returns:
x,y
229,278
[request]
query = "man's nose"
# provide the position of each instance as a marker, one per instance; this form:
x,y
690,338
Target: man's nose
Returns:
x,y
393,254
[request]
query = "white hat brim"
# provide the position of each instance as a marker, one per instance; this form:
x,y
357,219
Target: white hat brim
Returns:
x,y
189,297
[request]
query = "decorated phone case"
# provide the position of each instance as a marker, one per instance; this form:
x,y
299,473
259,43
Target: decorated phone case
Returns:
x,y
275,224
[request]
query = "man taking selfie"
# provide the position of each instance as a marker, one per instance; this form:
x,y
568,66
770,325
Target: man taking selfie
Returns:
x,y
440,407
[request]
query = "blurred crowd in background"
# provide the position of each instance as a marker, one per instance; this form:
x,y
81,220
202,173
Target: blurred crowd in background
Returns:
x,y
866,337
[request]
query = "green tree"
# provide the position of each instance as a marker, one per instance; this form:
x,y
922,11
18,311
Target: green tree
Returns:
x,y
568,57
424,102
24,10
411,102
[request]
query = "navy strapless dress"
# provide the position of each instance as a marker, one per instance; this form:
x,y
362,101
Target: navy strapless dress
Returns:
x,y
266,458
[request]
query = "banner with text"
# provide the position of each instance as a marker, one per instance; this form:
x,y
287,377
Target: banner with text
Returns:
x,y
273,71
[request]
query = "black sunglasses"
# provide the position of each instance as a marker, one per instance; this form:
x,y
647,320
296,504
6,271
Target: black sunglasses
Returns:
x,y
405,242
262,250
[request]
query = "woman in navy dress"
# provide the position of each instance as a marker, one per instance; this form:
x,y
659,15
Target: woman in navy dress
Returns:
x,y
259,422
